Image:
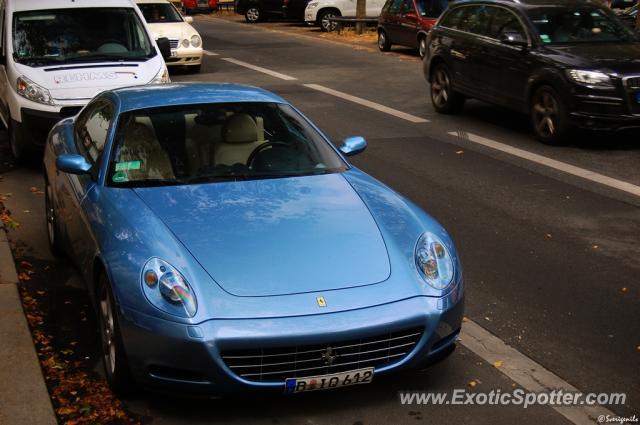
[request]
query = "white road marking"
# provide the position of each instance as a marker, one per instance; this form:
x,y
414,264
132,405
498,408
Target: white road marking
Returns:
x,y
551,163
525,372
367,103
209,53
260,69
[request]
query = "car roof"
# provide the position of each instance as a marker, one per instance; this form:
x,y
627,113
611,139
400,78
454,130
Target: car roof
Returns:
x,y
26,5
158,95
525,4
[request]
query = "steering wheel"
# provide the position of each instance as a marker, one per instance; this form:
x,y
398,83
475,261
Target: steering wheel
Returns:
x,y
261,148
112,45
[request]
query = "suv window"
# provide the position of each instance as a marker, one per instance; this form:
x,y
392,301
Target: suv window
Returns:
x,y
505,21
477,21
91,130
454,18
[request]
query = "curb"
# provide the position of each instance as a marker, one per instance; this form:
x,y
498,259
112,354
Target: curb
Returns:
x,y
24,398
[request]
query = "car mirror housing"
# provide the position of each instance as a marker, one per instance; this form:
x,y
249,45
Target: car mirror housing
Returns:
x,y
164,46
73,164
513,39
353,145
188,19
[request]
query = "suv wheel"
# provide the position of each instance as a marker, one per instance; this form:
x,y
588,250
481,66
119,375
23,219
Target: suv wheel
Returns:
x,y
443,98
325,24
548,116
383,41
422,46
253,14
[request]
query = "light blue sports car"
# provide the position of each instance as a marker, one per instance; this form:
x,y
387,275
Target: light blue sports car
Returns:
x,y
228,246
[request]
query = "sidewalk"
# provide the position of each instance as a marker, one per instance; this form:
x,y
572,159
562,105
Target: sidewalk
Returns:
x,y
24,398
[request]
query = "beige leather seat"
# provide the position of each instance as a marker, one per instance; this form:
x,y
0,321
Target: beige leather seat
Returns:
x,y
240,136
199,143
140,144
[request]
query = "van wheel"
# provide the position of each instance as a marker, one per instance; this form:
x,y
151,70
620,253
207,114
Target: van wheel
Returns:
x,y
325,24
443,98
383,41
253,14
113,355
548,116
422,46
18,150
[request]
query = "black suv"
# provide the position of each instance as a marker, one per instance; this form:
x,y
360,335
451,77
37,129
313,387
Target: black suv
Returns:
x,y
260,10
569,64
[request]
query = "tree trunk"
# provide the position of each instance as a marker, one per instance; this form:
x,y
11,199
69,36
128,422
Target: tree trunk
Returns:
x,y
361,12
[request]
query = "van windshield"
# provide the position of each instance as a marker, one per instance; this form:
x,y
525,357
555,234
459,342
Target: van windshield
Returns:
x,y
55,36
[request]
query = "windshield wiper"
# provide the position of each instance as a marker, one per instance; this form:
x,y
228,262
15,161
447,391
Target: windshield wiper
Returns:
x,y
149,183
36,60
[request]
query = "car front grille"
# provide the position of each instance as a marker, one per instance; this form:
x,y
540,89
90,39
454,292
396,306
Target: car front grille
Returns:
x,y
173,43
276,364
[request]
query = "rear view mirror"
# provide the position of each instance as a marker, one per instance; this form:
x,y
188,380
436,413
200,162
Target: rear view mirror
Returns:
x,y
188,19
164,46
513,39
73,164
353,145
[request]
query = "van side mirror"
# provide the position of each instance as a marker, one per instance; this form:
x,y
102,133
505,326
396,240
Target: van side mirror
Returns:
x,y
164,46
353,145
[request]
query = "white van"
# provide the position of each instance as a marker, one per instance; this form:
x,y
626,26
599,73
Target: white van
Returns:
x,y
58,54
318,12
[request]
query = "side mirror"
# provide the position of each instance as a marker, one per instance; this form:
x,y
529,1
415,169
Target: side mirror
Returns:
x,y
188,19
353,145
73,164
164,46
513,39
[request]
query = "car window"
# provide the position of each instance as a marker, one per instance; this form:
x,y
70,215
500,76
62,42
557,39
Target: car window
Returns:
x,y
504,21
578,24
387,6
407,6
193,144
477,20
431,8
457,18
395,6
92,128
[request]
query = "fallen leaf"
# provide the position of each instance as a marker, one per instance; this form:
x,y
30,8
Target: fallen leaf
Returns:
x,y
497,364
464,319
595,247
460,152
548,235
624,289
33,189
26,211
487,319
472,384
23,277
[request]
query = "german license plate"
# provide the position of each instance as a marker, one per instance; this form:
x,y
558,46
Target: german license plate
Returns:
x,y
174,53
326,382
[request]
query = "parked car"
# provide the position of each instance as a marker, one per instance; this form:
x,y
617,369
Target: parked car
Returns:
x,y
165,21
629,16
58,54
319,12
294,9
228,246
407,23
193,6
567,65
259,10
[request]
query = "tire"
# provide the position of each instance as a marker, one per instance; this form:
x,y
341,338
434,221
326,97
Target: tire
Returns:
x,y
443,98
253,14
422,46
548,116
323,20
53,234
383,41
18,149
114,358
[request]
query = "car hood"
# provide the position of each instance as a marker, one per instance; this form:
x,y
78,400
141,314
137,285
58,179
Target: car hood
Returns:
x,y
623,58
179,30
276,236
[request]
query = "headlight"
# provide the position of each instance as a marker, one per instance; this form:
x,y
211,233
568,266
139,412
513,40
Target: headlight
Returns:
x,y
162,77
196,41
30,90
433,261
590,78
312,5
167,289
185,43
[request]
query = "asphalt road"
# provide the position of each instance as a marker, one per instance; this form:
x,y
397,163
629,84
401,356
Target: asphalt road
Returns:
x,y
552,260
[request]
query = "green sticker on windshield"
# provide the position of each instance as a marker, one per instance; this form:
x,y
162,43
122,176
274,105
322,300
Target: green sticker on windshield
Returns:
x,y
129,165
545,38
119,177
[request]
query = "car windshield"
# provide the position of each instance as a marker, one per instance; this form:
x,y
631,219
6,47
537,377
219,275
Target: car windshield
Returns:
x,y
580,24
159,12
193,144
56,36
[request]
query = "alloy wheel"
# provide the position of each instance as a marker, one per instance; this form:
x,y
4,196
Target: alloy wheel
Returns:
x,y
107,331
50,215
327,25
422,47
440,86
253,14
382,40
545,110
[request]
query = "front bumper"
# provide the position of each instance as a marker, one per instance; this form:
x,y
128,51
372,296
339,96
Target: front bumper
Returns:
x,y
35,124
185,56
172,356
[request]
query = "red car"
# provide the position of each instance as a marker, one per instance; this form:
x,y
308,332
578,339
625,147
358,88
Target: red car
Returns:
x,y
192,6
407,22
